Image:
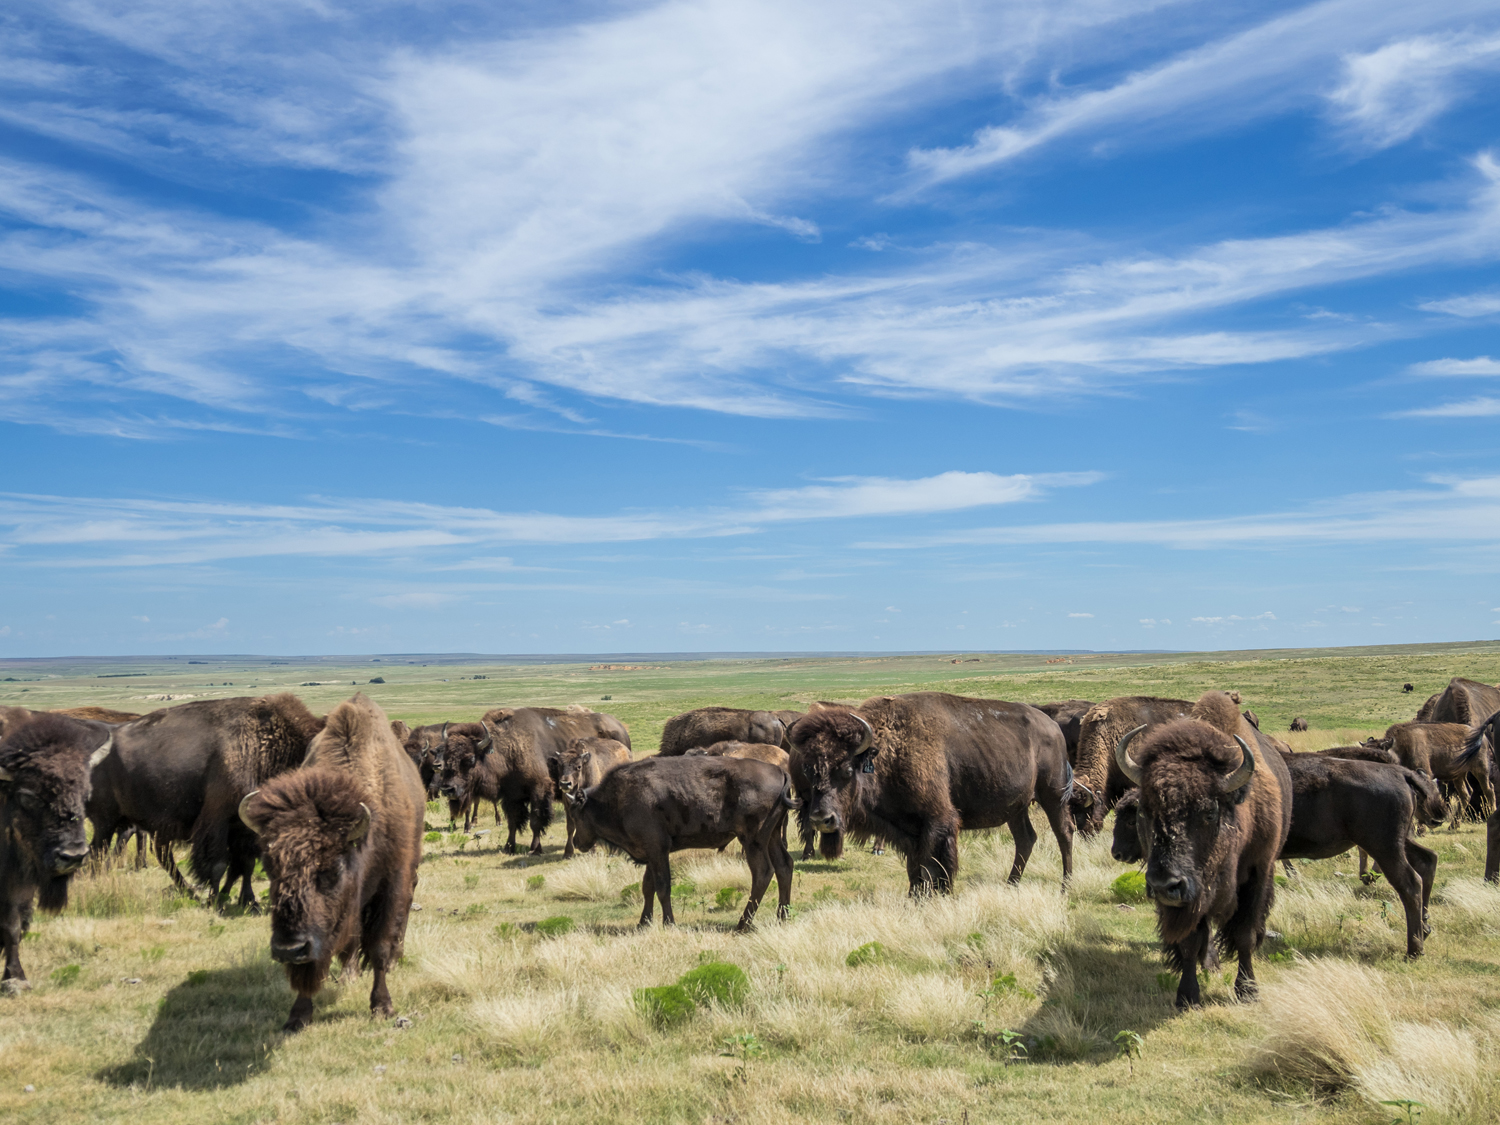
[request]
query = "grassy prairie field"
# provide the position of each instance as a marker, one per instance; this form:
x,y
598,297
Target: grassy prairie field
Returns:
x,y
998,1004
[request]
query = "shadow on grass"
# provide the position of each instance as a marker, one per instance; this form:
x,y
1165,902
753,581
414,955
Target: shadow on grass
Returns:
x,y
1096,991
215,1029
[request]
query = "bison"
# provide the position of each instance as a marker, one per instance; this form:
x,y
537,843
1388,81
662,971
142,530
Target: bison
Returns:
x,y
1098,782
651,808
915,769
1481,741
1436,749
708,725
1214,815
1464,701
44,784
760,751
580,765
181,772
1067,714
1407,689
342,838
1298,723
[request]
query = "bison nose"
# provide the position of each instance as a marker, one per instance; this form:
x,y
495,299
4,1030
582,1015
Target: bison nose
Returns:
x,y
1174,891
825,822
69,861
294,952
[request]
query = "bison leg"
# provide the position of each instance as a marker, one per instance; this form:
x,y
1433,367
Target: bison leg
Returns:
x,y
515,816
15,920
1062,831
648,892
662,870
541,817
301,1013
1424,862
1188,953
760,878
781,860
878,847
1245,930
1025,836
568,834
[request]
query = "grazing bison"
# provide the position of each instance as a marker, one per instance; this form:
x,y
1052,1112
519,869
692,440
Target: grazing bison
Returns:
x,y
708,725
181,772
1436,749
1214,815
1068,715
580,765
457,781
1408,688
760,751
1299,723
44,784
915,769
1098,782
341,837
651,808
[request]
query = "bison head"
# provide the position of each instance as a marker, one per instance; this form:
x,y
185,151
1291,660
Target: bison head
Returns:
x,y
461,753
1125,845
829,751
44,784
569,766
312,824
1191,776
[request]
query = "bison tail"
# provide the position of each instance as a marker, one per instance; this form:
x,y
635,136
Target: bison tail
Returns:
x,y
786,796
1475,742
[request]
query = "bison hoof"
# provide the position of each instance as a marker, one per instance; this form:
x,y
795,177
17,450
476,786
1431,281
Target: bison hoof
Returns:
x,y
535,849
509,849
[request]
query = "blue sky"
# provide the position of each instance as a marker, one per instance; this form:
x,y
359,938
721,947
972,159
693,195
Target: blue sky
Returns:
x,y
747,326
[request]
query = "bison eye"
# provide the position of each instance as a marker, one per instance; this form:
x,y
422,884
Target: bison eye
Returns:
x,y
29,801
845,772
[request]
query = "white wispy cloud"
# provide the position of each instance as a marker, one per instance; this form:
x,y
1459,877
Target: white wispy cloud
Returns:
x,y
92,532
1480,365
1480,407
1457,510
1468,305
1391,92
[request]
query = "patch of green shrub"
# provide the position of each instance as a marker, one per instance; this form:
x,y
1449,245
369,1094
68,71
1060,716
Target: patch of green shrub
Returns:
x,y
716,980
536,882
871,953
630,895
728,898
556,926
66,974
1129,887
685,887
666,1005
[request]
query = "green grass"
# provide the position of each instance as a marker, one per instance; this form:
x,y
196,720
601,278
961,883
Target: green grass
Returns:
x,y
146,1009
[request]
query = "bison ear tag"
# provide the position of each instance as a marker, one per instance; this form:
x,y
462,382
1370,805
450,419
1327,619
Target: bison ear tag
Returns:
x,y
868,767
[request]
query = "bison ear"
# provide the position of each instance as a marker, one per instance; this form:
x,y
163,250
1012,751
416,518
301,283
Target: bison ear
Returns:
x,y
103,752
587,754
361,828
249,821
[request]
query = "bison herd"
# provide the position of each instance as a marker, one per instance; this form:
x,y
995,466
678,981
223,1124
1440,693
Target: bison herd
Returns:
x,y
334,806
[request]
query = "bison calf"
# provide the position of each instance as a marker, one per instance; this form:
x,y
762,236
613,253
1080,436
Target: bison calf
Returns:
x,y
651,808
44,784
580,765
341,838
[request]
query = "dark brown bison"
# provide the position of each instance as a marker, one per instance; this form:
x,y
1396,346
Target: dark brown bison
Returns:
x,y
1437,749
181,772
1097,781
651,808
1482,742
1299,723
1067,714
1465,701
456,780
1338,804
1408,688
44,785
708,725
915,769
760,751
342,838
580,765
1213,816
423,745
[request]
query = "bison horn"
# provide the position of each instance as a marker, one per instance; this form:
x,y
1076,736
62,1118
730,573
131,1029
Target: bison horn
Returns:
x,y
445,734
489,737
1077,786
362,828
245,812
103,752
869,734
1122,755
1241,777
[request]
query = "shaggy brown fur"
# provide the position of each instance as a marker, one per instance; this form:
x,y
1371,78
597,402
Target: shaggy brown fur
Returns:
x,y
580,765
98,714
938,763
1465,701
1298,723
1424,712
708,725
1098,782
342,838
44,786
180,773
760,751
1210,855
1437,749
13,719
